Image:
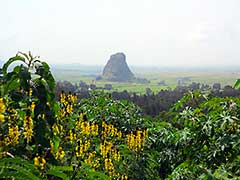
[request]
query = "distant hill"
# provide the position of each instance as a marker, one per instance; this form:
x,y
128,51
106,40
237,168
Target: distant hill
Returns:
x,y
86,69
117,69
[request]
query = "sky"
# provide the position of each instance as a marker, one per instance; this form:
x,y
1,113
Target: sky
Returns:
x,y
149,32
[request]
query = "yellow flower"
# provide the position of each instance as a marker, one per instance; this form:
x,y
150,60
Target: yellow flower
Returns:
x,y
55,129
62,97
86,145
28,128
90,158
94,129
111,130
60,154
108,164
1,118
70,108
32,106
62,112
52,147
39,162
145,133
119,134
79,149
2,106
13,134
30,92
72,136
87,128
96,163
136,141
124,177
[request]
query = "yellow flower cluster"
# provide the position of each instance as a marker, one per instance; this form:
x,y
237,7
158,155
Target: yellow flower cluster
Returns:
x,y
82,147
109,130
114,175
13,135
28,128
87,128
108,165
136,141
2,110
124,177
109,154
92,160
39,162
67,102
13,129
108,150
2,118
72,136
59,153
67,97
117,176
32,107
57,128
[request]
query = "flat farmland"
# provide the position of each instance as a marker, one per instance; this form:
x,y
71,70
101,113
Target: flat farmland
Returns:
x,y
171,78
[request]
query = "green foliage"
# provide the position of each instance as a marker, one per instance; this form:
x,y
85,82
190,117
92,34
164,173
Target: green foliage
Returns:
x,y
237,84
86,172
60,137
27,84
122,114
19,169
59,171
197,139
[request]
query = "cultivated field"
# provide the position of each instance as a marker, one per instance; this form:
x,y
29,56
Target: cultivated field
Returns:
x,y
76,74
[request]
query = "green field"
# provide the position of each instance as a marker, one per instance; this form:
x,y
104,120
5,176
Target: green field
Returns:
x,y
75,75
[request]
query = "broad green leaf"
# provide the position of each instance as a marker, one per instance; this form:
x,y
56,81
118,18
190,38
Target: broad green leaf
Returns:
x,y
56,142
10,61
237,84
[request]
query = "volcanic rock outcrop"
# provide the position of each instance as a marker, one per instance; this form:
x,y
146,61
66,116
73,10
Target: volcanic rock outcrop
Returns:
x,y
117,69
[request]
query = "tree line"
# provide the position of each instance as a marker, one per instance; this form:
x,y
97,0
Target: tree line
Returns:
x,y
151,103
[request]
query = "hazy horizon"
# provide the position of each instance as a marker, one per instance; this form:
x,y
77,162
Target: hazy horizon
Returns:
x,y
150,32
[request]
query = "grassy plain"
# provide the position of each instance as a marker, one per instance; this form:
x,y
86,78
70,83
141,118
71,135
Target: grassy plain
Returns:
x,y
75,74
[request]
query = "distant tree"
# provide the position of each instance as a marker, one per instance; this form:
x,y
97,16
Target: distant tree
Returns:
x,y
162,83
98,78
149,92
205,87
216,86
65,86
108,86
142,80
194,86
93,86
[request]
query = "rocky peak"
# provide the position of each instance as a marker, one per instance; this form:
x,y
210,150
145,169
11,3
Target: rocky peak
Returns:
x,y
117,69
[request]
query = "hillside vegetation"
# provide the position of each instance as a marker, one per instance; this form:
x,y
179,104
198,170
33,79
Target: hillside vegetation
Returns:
x,y
103,138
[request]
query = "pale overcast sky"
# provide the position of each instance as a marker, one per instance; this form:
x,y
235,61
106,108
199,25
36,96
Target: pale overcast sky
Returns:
x,y
149,32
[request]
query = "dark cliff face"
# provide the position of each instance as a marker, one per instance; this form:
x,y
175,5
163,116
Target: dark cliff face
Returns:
x,y
117,69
